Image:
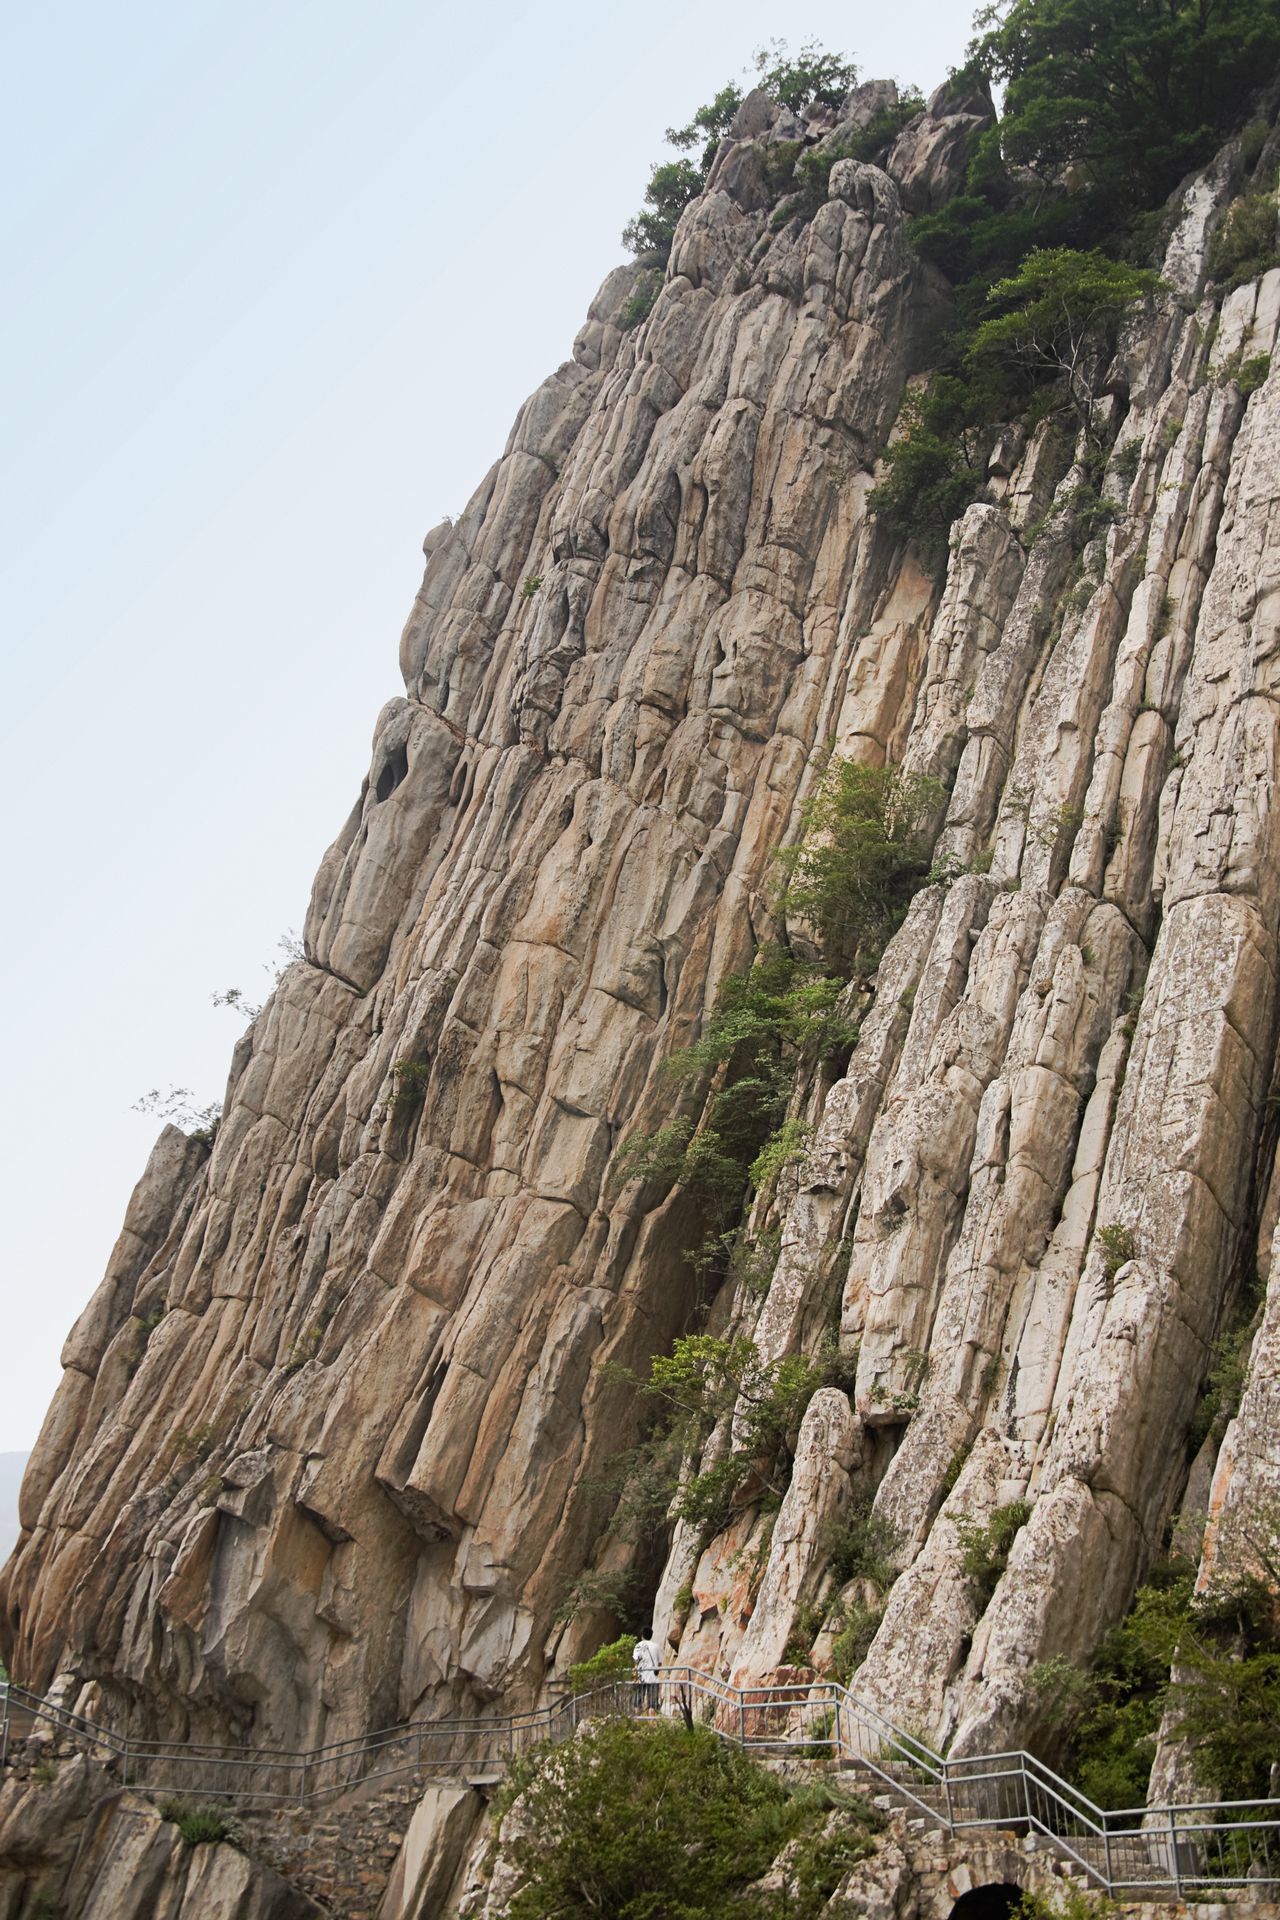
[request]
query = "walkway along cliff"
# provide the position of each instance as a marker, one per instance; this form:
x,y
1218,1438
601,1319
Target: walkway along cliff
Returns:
x,y
332,1441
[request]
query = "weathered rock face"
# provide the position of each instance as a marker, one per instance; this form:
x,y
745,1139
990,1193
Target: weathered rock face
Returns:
x,y
328,1445
76,1845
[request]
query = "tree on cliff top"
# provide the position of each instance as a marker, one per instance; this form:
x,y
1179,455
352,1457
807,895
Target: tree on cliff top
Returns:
x,y
813,77
1128,94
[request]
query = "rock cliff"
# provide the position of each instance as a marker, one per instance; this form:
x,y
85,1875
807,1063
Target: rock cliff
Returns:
x,y
329,1442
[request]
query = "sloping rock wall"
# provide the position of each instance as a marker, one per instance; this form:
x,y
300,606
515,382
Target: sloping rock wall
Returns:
x,y
76,1845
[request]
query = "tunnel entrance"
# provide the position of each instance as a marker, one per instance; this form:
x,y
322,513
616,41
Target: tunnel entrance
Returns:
x,y
995,1901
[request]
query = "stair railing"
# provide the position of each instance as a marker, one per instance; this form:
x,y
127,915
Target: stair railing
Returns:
x,y
1178,1848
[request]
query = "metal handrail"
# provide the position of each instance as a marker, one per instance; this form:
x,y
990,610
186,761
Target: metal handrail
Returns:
x,y
1196,1844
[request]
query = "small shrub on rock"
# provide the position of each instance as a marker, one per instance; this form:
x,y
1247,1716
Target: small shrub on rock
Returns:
x,y
199,1826
863,855
410,1077
985,1550
1247,243
860,1545
1118,1247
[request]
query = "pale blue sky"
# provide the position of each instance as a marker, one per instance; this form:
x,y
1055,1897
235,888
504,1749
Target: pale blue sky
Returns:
x,y
279,275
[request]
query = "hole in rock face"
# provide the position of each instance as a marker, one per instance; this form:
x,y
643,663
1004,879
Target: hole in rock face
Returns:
x,y
394,769
995,1901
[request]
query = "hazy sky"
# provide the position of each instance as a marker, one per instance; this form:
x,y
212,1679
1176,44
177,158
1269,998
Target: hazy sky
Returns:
x,y
280,273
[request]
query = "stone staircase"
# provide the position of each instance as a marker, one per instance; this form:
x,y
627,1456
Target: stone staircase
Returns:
x,y
340,1854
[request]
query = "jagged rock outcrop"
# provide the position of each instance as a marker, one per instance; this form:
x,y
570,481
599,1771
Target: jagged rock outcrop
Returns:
x,y
79,1846
328,1446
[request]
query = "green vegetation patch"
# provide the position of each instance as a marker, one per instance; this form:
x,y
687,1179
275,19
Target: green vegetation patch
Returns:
x,y
813,78
1209,1662
606,1667
702,1380
985,1549
1247,244
660,1821
199,1826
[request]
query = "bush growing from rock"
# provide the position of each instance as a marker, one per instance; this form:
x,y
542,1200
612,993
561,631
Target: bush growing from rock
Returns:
x,y
862,855
647,1822
985,1549
198,1825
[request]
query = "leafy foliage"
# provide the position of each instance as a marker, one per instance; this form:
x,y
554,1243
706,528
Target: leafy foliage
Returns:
x,y
1253,371
857,1629
813,77
860,1545
177,1104
862,856
702,1382
662,1822
1118,1246
1127,94
766,1023
1224,1384
884,126
671,187
704,1379
808,169
1247,244
935,467
985,1549
1210,1661
199,1825
709,124
606,1666
643,298
411,1078
1059,314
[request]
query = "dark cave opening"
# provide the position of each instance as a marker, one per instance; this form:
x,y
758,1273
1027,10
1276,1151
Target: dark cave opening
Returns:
x,y
995,1901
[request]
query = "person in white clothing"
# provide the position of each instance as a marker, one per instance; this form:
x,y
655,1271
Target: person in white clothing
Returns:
x,y
645,1661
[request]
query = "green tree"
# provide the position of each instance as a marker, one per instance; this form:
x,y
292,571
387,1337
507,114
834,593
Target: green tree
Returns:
x,y
863,853
779,1015
701,1381
664,1822
607,1666
1209,1662
1128,94
935,466
813,78
671,187
1058,322
709,124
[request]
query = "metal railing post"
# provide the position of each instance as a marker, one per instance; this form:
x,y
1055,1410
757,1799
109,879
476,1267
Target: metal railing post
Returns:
x,y
1026,1790
742,1719
1173,1855
4,1727
946,1791
1106,1849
